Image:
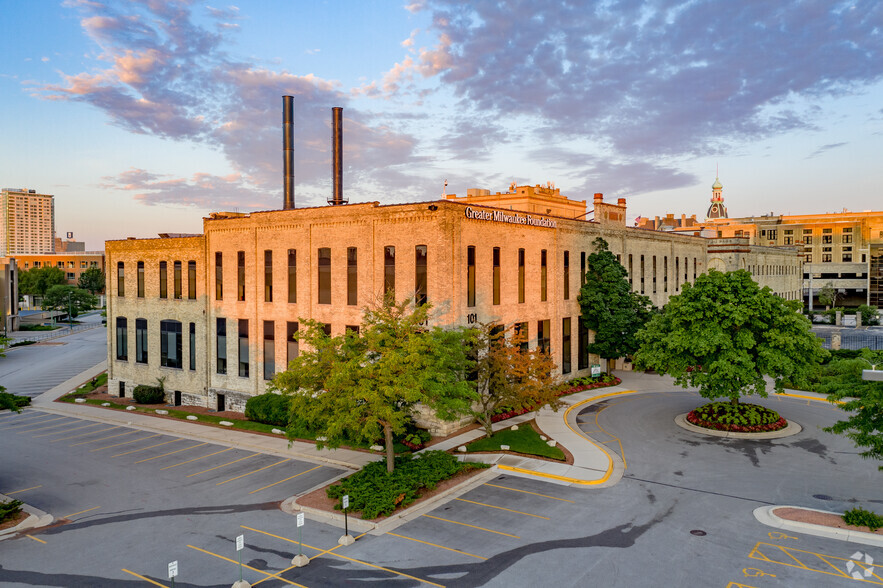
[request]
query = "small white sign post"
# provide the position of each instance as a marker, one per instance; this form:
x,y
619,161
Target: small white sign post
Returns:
x,y
347,539
596,370
173,571
240,544
300,559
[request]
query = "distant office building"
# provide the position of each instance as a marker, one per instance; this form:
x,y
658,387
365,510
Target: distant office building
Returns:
x,y
72,263
69,245
8,295
27,222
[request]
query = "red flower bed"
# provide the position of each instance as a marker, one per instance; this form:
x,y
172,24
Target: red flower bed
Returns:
x,y
779,424
502,416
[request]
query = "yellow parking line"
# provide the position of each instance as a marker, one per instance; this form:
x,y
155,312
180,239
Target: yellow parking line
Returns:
x,y
196,459
436,545
286,479
83,434
69,430
146,448
35,539
224,464
73,514
268,574
253,472
24,490
502,508
473,526
44,428
140,577
330,551
127,442
526,492
103,438
171,452
33,420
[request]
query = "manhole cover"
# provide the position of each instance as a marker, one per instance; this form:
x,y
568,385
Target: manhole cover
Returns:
x,y
698,532
822,497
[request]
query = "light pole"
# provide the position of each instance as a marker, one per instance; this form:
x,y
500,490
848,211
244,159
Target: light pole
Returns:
x,y
70,318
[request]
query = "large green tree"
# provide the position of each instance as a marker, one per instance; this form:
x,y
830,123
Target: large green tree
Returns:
x,y
862,399
92,280
68,298
507,375
609,307
365,385
723,334
36,281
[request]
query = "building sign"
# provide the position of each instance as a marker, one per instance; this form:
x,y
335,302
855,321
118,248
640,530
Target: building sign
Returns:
x,y
500,216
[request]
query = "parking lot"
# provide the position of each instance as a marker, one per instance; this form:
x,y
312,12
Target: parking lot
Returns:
x,y
681,515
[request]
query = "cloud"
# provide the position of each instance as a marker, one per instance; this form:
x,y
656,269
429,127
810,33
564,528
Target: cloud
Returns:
x,y
655,79
825,148
162,74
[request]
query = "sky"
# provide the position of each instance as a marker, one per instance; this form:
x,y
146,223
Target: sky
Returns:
x,y
142,117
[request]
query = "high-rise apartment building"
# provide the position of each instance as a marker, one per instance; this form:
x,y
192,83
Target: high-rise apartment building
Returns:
x,y
27,222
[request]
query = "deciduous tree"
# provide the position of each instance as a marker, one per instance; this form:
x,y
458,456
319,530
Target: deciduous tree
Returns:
x,y
507,375
36,281
609,307
361,386
723,334
68,298
92,280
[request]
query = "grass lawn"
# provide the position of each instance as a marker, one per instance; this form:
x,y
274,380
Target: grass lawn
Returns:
x,y
525,440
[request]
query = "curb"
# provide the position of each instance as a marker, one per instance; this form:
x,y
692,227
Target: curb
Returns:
x,y
792,429
36,519
395,520
767,516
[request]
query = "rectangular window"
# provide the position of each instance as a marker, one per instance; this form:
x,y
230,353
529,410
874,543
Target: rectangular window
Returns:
x,y
694,269
631,272
243,348
163,280
826,258
642,274
653,269
772,234
827,239
567,275
544,342
240,276
521,275
141,340
191,280
808,258
221,345
351,329
193,346
352,276
828,231
582,351
269,350
292,276
219,275
326,328
522,334
470,276
582,268
496,275
788,240
807,240
324,266
140,279
677,273
268,276
665,273
789,231
121,279
178,280
565,345
686,269
291,341
71,276
122,338
170,344
543,267
421,295
389,271
846,238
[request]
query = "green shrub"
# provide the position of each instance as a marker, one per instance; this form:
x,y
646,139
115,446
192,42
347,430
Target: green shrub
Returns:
x,y
13,402
860,517
869,314
742,414
374,492
149,394
9,509
270,409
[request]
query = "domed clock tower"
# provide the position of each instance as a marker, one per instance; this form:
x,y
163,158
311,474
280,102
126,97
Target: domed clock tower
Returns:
x,y
717,208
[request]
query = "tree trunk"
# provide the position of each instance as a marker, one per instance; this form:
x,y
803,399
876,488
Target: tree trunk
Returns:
x,y
488,427
390,452
734,401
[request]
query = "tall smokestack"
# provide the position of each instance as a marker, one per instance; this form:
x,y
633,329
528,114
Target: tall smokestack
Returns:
x,y
288,151
337,155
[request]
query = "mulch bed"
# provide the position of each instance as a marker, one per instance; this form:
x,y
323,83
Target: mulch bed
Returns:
x,y
318,499
801,515
8,523
776,426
